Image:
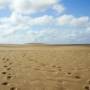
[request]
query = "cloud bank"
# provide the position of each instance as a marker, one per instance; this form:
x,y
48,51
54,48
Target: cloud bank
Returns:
x,y
33,21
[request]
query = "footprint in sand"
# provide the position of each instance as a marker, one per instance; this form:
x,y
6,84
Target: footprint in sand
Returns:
x,y
5,83
5,66
87,88
54,66
4,73
9,77
24,55
3,58
69,73
8,69
59,68
77,77
7,59
13,88
88,82
10,63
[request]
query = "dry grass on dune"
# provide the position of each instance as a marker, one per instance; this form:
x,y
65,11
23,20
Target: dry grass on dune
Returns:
x,y
45,68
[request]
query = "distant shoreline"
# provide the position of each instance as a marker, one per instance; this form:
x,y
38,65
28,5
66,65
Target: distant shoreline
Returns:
x,y
36,44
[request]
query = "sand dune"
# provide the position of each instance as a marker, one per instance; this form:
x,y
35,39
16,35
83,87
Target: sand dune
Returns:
x,y
29,67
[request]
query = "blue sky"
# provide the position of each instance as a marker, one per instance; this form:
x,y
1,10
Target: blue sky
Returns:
x,y
49,21
77,7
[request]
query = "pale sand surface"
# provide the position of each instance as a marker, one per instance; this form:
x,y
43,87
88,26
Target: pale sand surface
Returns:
x,y
44,67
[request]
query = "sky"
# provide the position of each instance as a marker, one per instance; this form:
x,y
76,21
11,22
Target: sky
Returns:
x,y
45,21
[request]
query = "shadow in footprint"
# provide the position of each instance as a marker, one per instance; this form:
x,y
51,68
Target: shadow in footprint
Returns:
x,y
88,81
59,69
5,83
9,77
8,69
54,66
3,58
4,73
69,73
5,66
10,63
77,77
86,88
7,60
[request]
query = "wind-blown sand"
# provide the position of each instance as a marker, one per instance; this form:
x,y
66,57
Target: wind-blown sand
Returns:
x,y
30,67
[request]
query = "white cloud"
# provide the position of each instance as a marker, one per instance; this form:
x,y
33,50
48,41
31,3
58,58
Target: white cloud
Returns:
x,y
59,8
42,20
81,21
18,19
3,3
49,36
31,6
65,19
73,21
17,22
18,25
21,5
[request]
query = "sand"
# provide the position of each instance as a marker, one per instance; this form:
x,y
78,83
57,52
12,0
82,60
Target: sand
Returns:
x,y
29,67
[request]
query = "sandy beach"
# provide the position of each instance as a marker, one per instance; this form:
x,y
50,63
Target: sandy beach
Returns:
x,y
42,67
